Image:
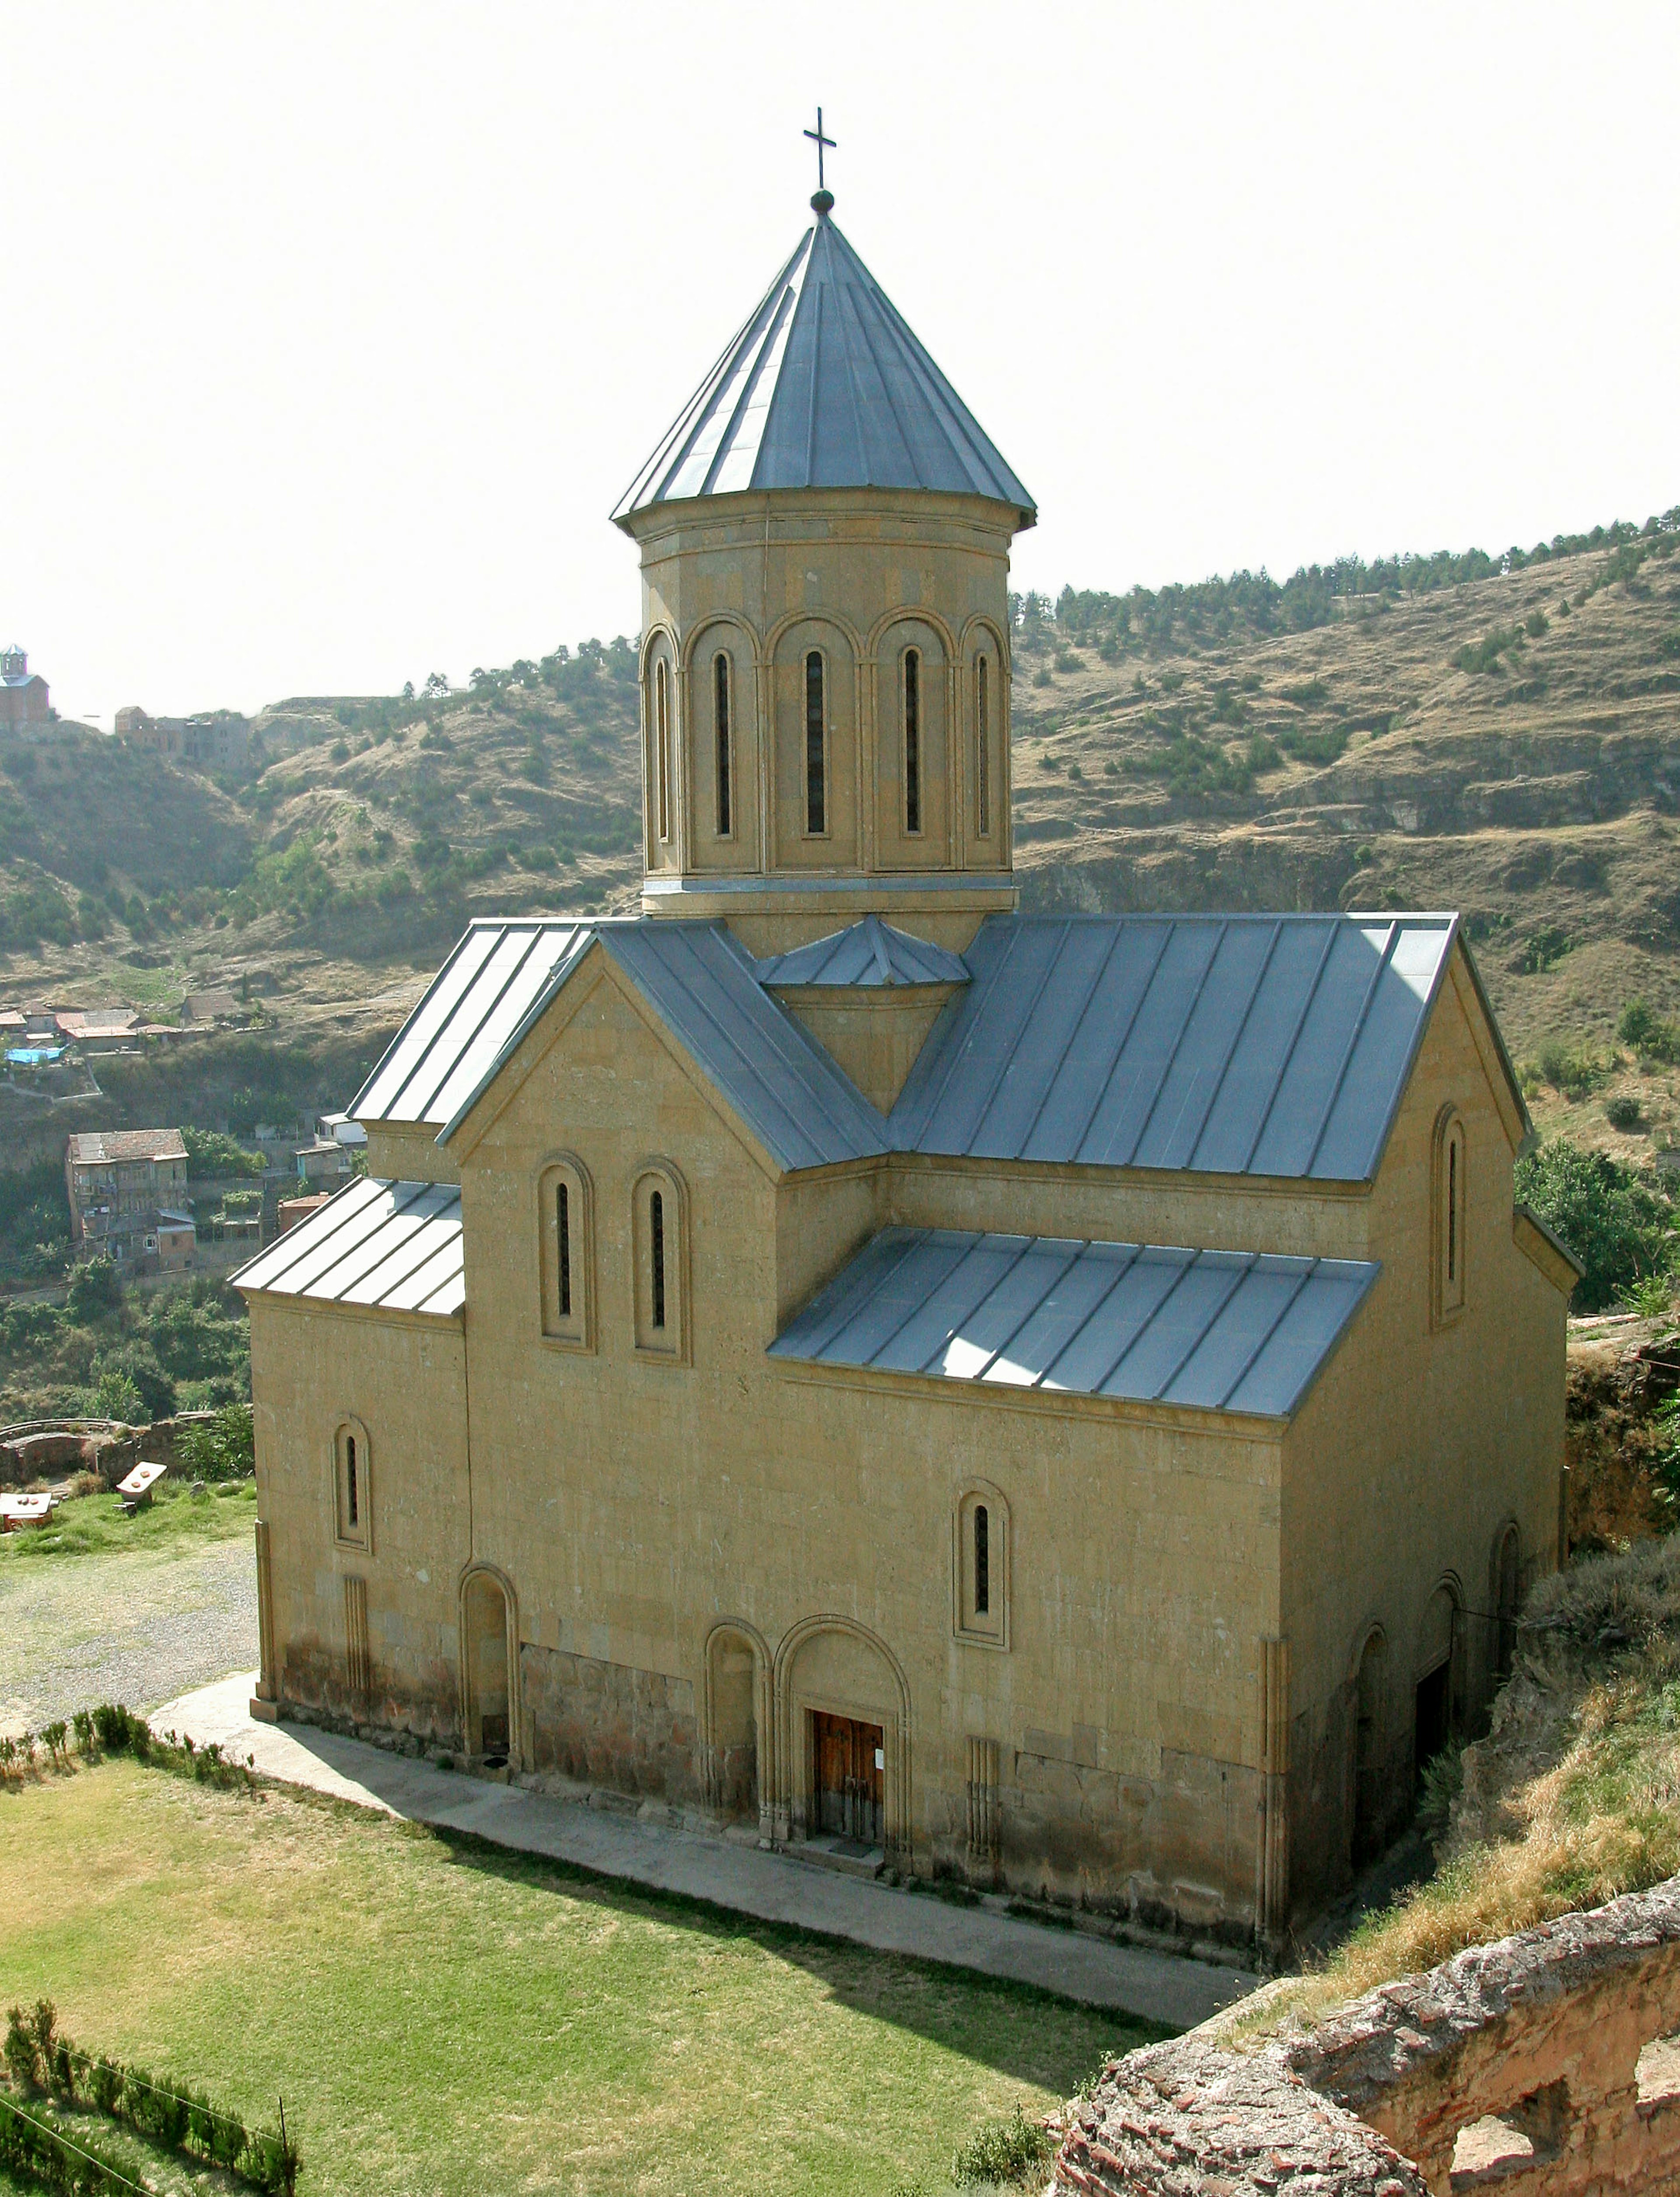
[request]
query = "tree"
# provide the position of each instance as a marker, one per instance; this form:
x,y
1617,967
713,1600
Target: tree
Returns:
x,y
1618,1226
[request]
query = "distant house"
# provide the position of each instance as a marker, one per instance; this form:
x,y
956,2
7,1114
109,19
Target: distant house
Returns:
x,y
128,1198
291,1210
324,1161
339,1129
216,740
100,1029
23,693
201,1009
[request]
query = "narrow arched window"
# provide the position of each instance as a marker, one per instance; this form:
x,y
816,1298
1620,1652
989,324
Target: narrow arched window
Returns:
x,y
816,761
1451,1217
912,740
353,1493
983,754
656,1235
721,707
563,1249
662,721
352,1489
980,1549
982,1560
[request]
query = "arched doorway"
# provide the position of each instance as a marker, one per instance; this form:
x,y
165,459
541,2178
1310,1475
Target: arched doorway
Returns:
x,y
842,1752
734,1664
1370,1799
485,1629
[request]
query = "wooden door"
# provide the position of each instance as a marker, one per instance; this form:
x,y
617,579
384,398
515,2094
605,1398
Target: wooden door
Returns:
x,y
849,1761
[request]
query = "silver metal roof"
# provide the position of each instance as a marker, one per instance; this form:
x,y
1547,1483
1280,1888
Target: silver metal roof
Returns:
x,y
394,1244
702,986
1247,1045
1219,1330
825,387
866,953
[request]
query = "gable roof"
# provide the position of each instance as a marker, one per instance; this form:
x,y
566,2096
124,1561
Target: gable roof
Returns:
x,y
826,386
1219,1330
105,1147
395,1245
702,985
866,953
1243,1043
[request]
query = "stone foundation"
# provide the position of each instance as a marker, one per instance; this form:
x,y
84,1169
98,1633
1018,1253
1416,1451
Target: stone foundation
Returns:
x,y
607,1724
1544,2064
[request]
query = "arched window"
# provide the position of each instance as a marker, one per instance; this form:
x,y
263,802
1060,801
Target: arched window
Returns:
x,y
816,759
721,711
659,1222
1451,1203
566,1252
912,740
981,1551
661,741
982,753
353,1488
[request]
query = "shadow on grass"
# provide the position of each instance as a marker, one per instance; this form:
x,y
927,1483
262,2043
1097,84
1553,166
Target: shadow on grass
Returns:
x,y
1017,2029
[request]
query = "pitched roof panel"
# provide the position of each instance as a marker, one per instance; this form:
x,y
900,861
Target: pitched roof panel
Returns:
x,y
825,386
397,1245
868,952
1264,1045
1217,1330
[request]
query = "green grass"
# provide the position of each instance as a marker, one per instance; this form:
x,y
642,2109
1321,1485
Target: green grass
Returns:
x,y
175,1520
442,2017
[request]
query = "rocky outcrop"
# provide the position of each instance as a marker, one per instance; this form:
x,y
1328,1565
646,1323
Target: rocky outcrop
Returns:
x,y
1544,2064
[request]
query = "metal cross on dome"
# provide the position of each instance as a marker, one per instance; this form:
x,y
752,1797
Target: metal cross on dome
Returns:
x,y
820,141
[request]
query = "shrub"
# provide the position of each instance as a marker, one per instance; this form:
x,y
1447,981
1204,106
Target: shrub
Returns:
x,y
221,1448
1622,1113
210,1153
94,1288
1616,1225
1543,949
1536,623
1007,2150
1574,1069
1651,1037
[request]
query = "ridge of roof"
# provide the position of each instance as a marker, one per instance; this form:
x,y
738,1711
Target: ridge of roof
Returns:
x,y
1247,1043
826,385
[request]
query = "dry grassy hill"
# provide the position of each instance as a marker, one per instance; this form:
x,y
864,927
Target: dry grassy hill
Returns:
x,y
1509,746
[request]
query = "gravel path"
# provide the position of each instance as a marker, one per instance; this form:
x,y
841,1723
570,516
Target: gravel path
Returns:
x,y
138,1628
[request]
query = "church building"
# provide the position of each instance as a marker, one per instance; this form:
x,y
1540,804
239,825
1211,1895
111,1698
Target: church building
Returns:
x,y
1065,1403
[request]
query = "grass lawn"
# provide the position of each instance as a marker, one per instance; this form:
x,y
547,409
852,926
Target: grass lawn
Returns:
x,y
175,1519
444,2017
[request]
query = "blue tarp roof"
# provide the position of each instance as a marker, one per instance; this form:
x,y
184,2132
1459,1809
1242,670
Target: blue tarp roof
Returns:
x,y
826,386
1219,1330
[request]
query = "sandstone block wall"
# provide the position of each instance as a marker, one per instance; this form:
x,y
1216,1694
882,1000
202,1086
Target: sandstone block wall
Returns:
x,y
1543,2065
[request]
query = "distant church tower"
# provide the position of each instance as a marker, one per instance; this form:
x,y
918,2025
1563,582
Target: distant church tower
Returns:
x,y
825,537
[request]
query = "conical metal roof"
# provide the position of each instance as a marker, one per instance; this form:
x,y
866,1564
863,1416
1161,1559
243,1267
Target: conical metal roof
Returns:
x,y
825,387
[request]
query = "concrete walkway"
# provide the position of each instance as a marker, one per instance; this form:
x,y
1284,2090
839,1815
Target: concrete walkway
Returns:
x,y
773,1887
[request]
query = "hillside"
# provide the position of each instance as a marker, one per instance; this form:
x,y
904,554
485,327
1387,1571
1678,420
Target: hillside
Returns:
x,y
1435,732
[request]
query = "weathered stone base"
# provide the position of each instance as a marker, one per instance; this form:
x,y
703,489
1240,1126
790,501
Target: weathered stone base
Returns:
x,y
609,1725
1548,2063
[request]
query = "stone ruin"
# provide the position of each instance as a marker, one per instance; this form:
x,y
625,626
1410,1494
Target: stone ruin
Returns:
x,y
1546,2064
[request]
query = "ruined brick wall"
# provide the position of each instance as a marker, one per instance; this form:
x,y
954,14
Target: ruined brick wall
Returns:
x,y
1544,2064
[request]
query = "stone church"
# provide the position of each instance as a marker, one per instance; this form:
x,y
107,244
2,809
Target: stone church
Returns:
x,y
1066,1403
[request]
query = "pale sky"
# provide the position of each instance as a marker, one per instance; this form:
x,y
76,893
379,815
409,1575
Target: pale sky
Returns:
x,y
331,334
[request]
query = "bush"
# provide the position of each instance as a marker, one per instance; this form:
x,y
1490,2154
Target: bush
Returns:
x,y
94,1288
210,1153
221,1448
1651,1037
1574,1069
1616,1225
1008,2150
1543,949
1622,1113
